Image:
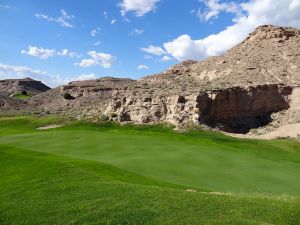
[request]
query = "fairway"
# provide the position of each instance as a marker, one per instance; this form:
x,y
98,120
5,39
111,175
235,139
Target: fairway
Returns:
x,y
140,175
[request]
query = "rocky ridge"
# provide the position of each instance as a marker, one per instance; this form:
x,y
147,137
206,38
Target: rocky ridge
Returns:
x,y
13,86
255,84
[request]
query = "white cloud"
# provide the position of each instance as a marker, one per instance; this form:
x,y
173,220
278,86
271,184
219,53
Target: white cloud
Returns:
x,y
140,7
63,20
154,50
137,32
95,31
86,77
97,43
143,67
214,8
166,59
294,4
18,72
9,71
184,47
47,53
113,21
255,13
97,59
39,52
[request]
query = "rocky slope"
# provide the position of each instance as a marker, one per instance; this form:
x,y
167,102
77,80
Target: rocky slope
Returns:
x,y
8,104
254,84
88,97
12,86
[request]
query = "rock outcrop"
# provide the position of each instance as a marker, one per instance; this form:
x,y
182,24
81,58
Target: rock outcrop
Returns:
x,y
8,104
88,97
253,84
13,86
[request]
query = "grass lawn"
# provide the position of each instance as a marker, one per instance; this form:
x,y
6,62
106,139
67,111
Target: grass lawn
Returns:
x,y
108,174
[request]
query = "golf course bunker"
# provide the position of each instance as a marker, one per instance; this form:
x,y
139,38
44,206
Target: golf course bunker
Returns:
x,y
49,127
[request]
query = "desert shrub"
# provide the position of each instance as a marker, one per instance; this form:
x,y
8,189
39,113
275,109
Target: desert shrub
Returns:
x,y
113,115
67,96
103,117
24,93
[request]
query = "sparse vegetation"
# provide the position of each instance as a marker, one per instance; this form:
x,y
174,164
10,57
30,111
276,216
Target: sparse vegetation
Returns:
x,y
113,115
67,96
104,117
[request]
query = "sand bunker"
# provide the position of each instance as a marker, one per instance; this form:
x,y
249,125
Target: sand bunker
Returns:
x,y
49,127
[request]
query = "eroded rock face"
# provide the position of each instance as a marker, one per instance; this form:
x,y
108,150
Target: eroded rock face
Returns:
x,y
173,109
233,110
238,109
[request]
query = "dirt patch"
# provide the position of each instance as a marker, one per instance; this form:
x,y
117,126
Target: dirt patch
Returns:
x,y
287,131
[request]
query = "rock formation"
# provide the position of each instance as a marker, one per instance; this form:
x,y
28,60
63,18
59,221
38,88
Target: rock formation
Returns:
x,y
255,83
87,97
8,104
235,92
13,86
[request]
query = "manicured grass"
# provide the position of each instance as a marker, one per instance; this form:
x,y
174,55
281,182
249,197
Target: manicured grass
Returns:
x,y
107,174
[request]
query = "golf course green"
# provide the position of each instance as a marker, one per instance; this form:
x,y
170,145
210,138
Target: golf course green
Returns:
x,y
83,173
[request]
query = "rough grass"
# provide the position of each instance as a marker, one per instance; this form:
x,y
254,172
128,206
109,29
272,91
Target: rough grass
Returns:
x,y
21,96
107,174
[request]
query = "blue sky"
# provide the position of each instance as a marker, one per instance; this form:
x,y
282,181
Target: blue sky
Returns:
x,y
61,40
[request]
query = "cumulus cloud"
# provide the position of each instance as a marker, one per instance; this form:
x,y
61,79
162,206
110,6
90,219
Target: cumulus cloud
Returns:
x,y
143,67
113,21
255,13
184,47
63,20
97,59
47,53
154,50
215,7
139,7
